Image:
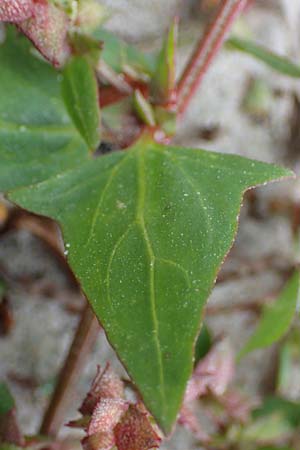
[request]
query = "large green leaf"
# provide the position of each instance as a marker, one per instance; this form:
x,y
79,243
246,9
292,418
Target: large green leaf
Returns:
x,y
276,318
145,229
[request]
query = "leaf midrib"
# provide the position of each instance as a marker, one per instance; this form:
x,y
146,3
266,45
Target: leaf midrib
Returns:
x,y
141,221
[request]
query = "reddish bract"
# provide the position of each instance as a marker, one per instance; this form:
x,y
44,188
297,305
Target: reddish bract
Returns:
x,y
106,384
213,373
98,441
15,10
134,431
109,420
47,28
189,420
106,415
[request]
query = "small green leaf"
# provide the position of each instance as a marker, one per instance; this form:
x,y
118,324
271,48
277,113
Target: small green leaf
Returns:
x,y
266,429
163,81
203,344
118,54
287,408
166,119
80,93
257,101
87,46
145,229
6,400
143,109
276,62
276,318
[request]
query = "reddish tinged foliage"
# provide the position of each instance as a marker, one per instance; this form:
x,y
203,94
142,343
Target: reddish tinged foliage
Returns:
x,y
237,406
134,431
106,384
189,420
98,441
213,373
109,420
47,28
106,415
110,94
15,10
9,429
43,23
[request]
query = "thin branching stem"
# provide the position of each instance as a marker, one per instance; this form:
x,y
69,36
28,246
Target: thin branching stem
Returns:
x,y
206,50
84,339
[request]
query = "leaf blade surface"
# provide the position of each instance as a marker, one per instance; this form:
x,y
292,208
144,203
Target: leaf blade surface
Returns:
x,y
145,230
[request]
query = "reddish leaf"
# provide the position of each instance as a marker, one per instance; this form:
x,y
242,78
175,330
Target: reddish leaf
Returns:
x,y
134,431
189,420
15,10
47,28
213,373
9,429
106,415
109,420
98,441
237,406
106,384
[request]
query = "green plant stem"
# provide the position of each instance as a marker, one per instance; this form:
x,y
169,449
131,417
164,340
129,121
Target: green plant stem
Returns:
x,y
85,337
206,50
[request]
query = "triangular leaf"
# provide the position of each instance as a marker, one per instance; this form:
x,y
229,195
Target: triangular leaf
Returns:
x,y
146,229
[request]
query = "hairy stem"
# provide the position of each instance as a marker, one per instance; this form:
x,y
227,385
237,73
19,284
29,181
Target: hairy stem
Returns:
x,y
84,339
206,50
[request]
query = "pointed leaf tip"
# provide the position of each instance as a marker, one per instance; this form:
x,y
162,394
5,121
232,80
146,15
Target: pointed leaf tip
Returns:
x,y
163,81
146,252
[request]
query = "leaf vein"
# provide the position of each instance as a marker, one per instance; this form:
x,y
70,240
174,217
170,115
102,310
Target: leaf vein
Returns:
x,y
141,222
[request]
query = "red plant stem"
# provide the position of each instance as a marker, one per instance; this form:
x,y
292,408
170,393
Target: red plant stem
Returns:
x,y
206,50
84,339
